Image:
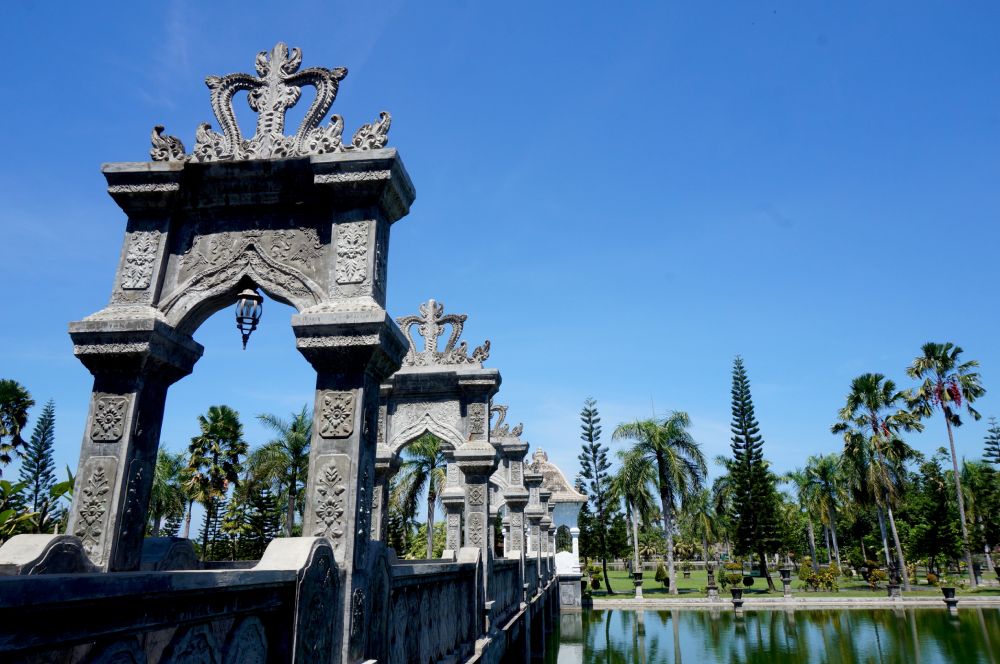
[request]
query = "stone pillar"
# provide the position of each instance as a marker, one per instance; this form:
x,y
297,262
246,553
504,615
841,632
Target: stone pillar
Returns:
x,y
352,352
477,462
133,360
534,512
453,500
575,534
386,468
515,495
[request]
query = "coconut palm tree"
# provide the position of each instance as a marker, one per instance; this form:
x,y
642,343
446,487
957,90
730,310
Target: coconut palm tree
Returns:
x,y
874,454
167,497
216,459
823,474
424,467
632,485
804,491
679,464
947,383
15,401
283,462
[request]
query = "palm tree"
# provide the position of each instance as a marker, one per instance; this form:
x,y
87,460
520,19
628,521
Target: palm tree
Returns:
x,y
823,473
167,496
15,401
631,483
284,460
424,467
679,463
215,462
947,382
874,454
805,491
722,498
700,514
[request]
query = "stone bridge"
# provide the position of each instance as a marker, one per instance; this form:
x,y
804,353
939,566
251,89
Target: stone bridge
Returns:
x,y
306,219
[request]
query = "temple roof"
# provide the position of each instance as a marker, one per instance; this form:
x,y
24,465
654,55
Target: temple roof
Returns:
x,y
554,480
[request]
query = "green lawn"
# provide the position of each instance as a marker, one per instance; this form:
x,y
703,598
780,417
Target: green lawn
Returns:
x,y
621,583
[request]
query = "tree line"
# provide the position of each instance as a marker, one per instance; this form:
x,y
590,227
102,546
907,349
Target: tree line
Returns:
x,y
876,503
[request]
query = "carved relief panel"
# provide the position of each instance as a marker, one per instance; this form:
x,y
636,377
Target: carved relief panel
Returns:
x,y
94,504
108,422
140,259
477,418
336,414
331,498
352,252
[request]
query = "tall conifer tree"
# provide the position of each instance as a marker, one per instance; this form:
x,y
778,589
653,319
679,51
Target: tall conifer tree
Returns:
x,y
755,499
594,467
992,451
38,468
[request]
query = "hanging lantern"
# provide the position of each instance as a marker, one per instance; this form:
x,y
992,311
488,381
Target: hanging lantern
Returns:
x,y
248,309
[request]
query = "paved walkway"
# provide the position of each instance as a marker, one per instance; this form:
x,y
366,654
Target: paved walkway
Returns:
x,y
795,602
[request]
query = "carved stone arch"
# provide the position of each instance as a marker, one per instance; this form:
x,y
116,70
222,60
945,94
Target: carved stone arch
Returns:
x,y
205,292
408,421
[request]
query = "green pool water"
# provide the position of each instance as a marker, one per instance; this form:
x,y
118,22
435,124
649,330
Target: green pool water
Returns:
x,y
906,636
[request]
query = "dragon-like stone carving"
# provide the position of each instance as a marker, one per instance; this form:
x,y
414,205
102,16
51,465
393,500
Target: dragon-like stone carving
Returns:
x,y
276,88
430,324
500,429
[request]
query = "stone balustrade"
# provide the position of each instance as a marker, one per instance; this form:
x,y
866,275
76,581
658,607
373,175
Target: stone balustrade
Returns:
x,y
507,589
434,613
531,577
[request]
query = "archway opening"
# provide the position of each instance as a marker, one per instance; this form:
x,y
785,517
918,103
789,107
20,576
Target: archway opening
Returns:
x,y
270,389
416,522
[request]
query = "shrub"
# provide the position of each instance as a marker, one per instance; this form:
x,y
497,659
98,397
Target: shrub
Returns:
x,y
686,566
932,579
747,580
805,568
662,576
875,577
595,582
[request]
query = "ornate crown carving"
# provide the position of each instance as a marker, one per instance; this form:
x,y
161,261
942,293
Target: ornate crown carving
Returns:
x,y
430,324
276,88
500,429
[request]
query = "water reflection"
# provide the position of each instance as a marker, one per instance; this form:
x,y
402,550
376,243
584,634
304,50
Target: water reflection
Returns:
x,y
904,636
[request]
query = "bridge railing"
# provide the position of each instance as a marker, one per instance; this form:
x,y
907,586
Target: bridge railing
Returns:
x,y
507,589
435,611
531,577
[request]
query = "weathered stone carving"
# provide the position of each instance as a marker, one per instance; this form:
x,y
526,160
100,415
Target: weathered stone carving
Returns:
x,y
139,260
165,148
500,429
476,528
246,644
352,252
336,414
477,415
276,88
108,424
194,645
431,322
315,639
331,497
95,502
298,247
476,494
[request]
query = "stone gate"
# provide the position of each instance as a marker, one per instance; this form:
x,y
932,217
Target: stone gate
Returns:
x,y
306,219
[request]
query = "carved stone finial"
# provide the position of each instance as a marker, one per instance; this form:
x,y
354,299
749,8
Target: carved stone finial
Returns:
x,y
500,429
431,322
276,88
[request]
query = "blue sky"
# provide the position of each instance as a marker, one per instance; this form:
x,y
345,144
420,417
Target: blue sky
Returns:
x,y
622,197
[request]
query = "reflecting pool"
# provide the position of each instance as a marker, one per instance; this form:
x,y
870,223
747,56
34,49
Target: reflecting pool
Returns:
x,y
906,636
